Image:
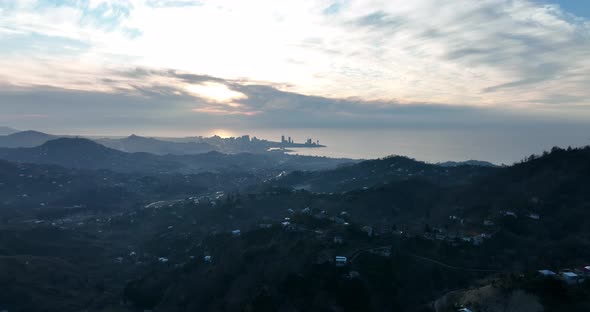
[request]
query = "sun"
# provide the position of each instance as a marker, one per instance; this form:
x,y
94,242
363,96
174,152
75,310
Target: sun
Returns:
x,y
224,133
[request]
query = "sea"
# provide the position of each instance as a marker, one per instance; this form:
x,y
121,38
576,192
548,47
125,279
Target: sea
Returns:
x,y
496,145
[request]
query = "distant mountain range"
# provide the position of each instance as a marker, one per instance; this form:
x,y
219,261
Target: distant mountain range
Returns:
x,y
134,144
478,163
86,154
25,139
7,130
160,146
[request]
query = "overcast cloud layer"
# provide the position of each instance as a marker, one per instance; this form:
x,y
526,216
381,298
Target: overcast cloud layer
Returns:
x,y
249,64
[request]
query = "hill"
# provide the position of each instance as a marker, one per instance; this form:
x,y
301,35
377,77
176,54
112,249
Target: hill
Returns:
x,y
25,139
86,154
135,144
375,172
7,130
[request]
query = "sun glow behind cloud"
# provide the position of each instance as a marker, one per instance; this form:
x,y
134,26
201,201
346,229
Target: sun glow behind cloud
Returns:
x,y
216,92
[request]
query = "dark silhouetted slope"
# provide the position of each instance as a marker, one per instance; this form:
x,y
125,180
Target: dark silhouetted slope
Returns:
x,y
134,144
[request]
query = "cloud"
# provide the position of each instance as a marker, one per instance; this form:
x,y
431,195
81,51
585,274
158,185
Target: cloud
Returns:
x,y
323,61
142,100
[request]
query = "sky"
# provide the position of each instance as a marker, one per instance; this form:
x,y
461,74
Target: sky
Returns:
x,y
184,66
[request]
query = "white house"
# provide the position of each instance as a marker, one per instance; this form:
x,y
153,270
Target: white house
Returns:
x,y
163,260
341,260
236,232
547,273
534,216
510,214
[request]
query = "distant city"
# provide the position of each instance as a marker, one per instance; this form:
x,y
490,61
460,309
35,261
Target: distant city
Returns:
x,y
308,143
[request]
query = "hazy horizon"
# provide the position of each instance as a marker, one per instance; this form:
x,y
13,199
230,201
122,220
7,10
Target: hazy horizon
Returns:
x,y
171,67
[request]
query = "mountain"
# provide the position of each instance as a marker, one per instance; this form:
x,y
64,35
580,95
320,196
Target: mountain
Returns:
x,y
25,139
375,172
411,232
86,154
478,163
7,130
135,144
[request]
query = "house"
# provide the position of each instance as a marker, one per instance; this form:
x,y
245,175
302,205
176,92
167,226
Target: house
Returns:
x,y
353,274
306,211
534,216
338,240
477,240
367,229
510,214
285,224
547,273
571,278
207,259
341,260
236,232
464,310
163,260
488,222
587,270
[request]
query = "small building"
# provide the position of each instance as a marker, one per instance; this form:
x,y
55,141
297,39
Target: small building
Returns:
x,y
464,310
236,232
306,211
163,260
534,216
547,273
587,270
341,261
510,214
207,259
368,229
488,222
571,278
338,239
286,223
353,274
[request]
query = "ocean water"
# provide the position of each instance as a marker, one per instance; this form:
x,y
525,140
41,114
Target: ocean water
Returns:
x,y
496,145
